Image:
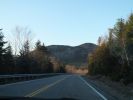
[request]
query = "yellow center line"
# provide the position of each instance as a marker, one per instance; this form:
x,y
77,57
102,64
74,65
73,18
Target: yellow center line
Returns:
x,y
44,88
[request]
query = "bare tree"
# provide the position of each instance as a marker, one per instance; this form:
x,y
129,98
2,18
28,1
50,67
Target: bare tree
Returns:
x,y
20,36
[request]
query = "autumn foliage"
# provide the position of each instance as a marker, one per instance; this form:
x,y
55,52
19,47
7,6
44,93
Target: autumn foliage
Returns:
x,y
114,54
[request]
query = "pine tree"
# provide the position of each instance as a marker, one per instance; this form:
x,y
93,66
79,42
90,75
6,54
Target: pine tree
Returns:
x,y
25,49
2,50
24,60
40,47
38,44
9,60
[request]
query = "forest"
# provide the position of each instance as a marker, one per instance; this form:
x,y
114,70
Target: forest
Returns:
x,y
114,55
21,59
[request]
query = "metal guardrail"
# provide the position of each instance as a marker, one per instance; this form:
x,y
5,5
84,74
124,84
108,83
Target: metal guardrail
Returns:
x,y
4,79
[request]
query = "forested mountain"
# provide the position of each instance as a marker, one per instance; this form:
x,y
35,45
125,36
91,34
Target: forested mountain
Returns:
x,y
76,55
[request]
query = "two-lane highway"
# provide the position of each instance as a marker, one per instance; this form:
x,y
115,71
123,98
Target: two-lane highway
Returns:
x,y
56,87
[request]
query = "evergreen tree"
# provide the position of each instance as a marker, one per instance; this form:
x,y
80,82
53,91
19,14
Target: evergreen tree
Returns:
x,y
25,49
41,47
2,49
38,44
24,60
9,60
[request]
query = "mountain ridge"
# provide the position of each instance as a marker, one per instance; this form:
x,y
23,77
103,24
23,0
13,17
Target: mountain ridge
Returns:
x,y
75,55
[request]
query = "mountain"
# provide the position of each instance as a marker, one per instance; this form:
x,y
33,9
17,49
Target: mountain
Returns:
x,y
75,55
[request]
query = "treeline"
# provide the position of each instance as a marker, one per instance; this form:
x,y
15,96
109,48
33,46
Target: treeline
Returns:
x,y
114,54
25,60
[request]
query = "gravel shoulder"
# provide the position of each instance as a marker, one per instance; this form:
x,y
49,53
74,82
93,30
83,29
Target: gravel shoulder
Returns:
x,y
112,90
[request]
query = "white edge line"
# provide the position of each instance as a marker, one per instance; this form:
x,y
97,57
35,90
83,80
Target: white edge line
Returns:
x,y
103,97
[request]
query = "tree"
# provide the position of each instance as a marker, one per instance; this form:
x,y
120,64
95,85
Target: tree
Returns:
x,y
6,57
120,33
129,31
9,60
20,36
24,60
38,44
25,50
41,47
114,55
41,56
2,49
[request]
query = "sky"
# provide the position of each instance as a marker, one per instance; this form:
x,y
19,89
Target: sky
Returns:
x,y
63,22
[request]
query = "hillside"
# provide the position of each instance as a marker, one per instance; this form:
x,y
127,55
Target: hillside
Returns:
x,y
75,55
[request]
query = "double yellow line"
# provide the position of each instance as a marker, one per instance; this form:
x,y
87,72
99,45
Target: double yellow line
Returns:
x,y
44,88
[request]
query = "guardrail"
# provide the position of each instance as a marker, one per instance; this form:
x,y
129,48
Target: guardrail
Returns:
x,y
4,79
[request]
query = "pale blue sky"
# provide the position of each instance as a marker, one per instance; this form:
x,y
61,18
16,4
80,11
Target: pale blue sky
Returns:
x,y
64,22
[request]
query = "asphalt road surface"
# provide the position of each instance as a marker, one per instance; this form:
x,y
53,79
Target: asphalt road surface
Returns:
x,y
56,87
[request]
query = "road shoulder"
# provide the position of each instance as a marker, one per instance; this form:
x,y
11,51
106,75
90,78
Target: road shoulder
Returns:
x,y
108,89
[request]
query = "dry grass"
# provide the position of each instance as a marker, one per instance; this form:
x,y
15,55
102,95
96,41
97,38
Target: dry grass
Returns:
x,y
116,89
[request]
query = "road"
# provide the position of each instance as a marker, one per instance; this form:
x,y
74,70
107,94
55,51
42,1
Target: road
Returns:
x,y
56,87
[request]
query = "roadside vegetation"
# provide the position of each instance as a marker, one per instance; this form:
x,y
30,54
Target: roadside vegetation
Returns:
x,y
82,70
114,55
21,58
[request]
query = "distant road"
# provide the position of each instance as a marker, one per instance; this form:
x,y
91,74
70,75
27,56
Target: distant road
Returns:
x,y
56,87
